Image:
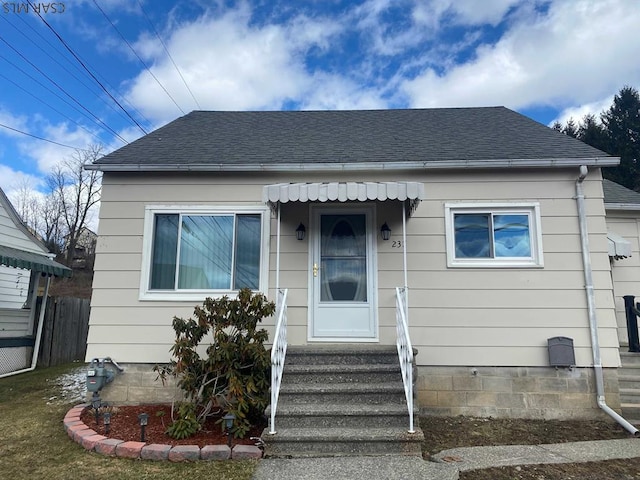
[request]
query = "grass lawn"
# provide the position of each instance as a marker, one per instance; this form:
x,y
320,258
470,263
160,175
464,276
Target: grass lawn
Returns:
x,y
33,443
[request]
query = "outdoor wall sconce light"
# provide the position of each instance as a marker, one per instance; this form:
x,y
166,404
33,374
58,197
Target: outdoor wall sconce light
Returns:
x,y
301,232
144,419
228,422
385,231
106,418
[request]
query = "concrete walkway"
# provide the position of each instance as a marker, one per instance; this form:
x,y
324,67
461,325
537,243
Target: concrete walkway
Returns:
x,y
447,464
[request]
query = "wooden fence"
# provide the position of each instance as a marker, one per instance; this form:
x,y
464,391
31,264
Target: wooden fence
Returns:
x,y
64,335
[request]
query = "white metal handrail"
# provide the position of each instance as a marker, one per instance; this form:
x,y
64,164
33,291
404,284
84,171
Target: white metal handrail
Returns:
x,y
278,353
405,350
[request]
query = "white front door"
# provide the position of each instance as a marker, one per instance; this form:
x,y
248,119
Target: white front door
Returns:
x,y
342,274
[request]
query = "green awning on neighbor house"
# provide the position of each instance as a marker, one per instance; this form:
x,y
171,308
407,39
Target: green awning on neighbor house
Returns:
x,y
13,257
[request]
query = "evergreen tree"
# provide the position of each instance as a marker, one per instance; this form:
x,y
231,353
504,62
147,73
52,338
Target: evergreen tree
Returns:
x,y
571,129
592,132
622,125
617,133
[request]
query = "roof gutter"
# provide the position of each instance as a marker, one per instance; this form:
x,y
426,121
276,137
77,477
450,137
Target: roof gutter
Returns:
x,y
591,306
359,166
622,206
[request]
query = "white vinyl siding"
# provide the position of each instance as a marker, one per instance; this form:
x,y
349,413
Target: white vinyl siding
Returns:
x,y
14,237
458,316
14,286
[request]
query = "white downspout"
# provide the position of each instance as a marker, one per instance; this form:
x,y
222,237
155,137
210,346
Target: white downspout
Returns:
x,y
36,346
591,305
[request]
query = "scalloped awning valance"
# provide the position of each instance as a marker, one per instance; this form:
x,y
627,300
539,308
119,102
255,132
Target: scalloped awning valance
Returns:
x,y
345,192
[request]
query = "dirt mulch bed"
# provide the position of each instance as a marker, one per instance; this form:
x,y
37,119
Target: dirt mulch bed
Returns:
x,y
443,433
126,426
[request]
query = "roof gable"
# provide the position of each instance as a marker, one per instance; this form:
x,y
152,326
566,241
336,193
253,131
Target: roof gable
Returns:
x,y
16,234
419,138
19,248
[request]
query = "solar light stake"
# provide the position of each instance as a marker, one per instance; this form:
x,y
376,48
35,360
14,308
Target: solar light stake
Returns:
x,y
106,418
144,418
95,403
228,424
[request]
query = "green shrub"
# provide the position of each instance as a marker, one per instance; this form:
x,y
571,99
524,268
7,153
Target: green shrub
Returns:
x,y
233,376
186,424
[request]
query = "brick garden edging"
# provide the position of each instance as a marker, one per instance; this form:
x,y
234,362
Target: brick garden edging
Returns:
x,y
93,441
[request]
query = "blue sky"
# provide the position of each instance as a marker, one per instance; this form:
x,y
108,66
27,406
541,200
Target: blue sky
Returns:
x,y
151,61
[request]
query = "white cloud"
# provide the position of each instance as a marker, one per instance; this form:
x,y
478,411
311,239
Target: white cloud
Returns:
x,y
333,92
578,112
11,180
461,12
566,56
230,64
47,155
469,12
15,122
383,36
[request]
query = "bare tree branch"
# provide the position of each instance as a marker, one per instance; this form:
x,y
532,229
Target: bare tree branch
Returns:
x,y
76,191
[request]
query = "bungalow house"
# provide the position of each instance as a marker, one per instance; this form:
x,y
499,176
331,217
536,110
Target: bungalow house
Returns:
x,y
84,250
480,229
25,266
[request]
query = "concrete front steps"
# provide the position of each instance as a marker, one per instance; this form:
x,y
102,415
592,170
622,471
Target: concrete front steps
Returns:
x,y
342,400
629,383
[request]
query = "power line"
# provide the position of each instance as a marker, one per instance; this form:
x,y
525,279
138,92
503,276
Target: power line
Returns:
x,y
48,89
70,50
138,57
168,54
46,52
61,89
51,107
40,138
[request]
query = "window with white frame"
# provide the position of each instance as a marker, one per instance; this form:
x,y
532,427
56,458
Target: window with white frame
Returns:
x,y
493,235
190,250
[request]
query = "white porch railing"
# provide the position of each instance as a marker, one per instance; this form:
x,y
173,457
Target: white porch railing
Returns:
x,y
405,350
278,353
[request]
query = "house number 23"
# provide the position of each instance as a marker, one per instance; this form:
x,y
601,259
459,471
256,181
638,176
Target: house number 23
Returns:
x,y
396,244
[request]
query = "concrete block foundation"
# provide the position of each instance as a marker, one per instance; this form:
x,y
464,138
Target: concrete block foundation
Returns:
x,y
514,392
511,392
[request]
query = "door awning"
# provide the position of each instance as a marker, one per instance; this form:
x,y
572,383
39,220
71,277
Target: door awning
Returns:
x,y
12,257
344,192
619,247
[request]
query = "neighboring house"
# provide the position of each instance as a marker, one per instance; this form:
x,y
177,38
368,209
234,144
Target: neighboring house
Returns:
x,y
488,224
24,262
623,224
84,250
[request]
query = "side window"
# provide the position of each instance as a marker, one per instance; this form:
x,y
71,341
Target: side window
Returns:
x,y
493,235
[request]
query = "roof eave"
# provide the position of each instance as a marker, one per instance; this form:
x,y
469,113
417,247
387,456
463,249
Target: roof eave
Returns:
x,y
361,166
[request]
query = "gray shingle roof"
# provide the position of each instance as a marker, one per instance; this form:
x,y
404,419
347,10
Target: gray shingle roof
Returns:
x,y
616,193
431,137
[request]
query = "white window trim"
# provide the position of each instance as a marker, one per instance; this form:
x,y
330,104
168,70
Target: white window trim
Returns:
x,y
535,234
198,295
